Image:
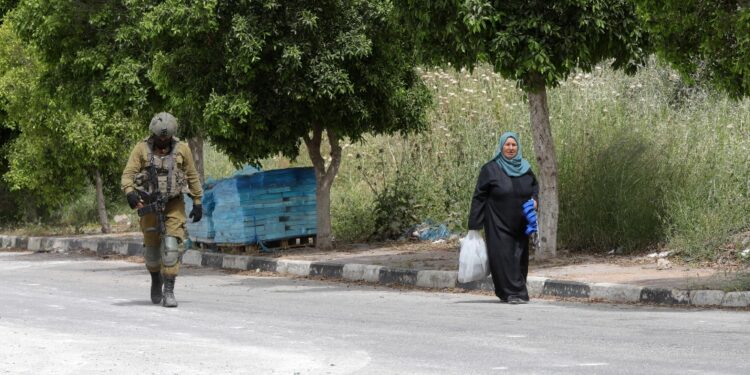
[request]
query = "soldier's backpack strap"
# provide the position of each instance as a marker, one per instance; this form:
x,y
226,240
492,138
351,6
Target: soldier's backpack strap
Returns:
x,y
151,168
170,168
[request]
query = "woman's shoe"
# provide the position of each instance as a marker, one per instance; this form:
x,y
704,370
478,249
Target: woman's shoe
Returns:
x,y
513,300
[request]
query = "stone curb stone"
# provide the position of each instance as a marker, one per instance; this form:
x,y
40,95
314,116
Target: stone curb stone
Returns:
x,y
706,297
121,248
74,244
213,260
535,285
326,269
560,288
60,244
371,273
615,292
34,244
91,245
192,258
293,267
135,249
484,284
261,263
353,271
362,272
8,242
235,262
45,244
736,299
665,296
104,248
397,276
436,279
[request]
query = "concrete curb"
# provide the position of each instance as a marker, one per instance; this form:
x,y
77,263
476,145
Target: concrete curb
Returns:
x,y
537,286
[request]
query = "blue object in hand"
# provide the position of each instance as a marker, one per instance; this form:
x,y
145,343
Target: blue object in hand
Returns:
x,y
530,212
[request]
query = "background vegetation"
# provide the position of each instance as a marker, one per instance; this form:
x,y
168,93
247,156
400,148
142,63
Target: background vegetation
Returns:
x,y
644,161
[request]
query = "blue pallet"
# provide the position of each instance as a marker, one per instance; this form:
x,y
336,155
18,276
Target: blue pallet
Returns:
x,y
264,206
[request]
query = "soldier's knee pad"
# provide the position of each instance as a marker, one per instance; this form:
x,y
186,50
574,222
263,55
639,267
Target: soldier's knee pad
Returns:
x,y
152,256
170,255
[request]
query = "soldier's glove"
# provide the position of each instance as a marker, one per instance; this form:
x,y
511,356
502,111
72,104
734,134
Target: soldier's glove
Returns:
x,y
133,199
197,213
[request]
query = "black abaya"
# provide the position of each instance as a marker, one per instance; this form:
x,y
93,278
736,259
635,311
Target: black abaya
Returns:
x,y
497,207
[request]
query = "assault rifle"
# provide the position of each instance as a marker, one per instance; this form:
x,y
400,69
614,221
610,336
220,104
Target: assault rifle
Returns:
x,y
157,201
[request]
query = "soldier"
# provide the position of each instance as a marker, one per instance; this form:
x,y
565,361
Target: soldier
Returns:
x,y
159,171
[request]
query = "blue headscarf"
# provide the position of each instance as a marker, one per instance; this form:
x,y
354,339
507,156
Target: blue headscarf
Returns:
x,y
513,167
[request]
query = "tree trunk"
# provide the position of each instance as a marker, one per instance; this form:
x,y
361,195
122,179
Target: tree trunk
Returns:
x,y
544,147
196,147
324,178
101,207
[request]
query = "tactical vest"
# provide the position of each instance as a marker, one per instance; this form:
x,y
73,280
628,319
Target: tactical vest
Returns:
x,y
170,178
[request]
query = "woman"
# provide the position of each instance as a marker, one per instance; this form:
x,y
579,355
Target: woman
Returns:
x,y
504,184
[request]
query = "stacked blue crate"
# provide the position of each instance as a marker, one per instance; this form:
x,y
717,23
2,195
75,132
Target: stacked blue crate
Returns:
x,y
265,206
202,231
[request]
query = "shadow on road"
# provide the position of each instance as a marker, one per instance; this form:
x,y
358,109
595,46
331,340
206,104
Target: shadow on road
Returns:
x,y
493,300
136,303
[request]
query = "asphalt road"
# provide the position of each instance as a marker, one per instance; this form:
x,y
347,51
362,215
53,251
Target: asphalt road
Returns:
x,y
64,314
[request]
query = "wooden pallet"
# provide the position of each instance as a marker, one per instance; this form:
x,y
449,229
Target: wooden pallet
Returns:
x,y
241,249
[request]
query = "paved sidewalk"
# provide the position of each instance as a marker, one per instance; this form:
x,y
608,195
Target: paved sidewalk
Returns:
x,y
427,265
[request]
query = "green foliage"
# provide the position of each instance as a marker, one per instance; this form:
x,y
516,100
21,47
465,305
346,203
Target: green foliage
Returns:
x,y
92,52
259,76
5,7
78,213
57,147
395,208
396,203
532,42
252,77
352,207
636,170
708,39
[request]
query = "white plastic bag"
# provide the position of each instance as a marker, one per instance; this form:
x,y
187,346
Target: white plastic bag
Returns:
x,y
473,263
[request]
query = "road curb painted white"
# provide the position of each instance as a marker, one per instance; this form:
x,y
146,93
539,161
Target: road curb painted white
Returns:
x,y
436,279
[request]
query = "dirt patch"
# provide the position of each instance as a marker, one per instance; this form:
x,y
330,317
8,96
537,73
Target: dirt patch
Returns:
x,y
9,250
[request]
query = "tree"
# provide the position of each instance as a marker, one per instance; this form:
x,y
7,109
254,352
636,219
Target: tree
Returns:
x,y
258,77
69,132
537,43
267,76
8,206
18,70
707,38
5,7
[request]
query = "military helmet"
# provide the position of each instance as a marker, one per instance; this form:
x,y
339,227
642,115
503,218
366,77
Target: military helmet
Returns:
x,y
163,124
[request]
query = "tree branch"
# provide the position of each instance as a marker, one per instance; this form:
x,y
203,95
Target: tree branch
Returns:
x,y
313,149
333,140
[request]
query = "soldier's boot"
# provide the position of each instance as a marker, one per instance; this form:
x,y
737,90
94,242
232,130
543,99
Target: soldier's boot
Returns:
x,y
170,258
169,300
156,284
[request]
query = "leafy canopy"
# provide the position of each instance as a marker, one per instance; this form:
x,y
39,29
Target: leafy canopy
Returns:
x,y
263,74
526,39
93,56
704,38
57,146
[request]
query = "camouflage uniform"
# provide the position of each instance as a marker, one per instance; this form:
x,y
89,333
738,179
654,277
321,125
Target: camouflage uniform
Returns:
x,y
176,173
